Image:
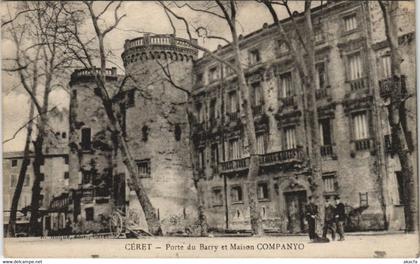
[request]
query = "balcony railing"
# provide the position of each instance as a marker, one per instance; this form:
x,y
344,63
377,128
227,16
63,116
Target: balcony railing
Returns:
x,y
358,84
386,86
283,156
362,144
234,165
161,40
327,151
269,159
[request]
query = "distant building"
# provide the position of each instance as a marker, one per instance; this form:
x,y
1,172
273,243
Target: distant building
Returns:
x,y
55,175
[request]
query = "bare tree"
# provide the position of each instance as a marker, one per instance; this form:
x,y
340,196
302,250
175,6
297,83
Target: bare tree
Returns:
x,y
83,52
192,122
303,55
11,228
35,35
227,12
397,115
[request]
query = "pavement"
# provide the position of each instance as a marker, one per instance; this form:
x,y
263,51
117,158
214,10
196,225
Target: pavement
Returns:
x,y
367,245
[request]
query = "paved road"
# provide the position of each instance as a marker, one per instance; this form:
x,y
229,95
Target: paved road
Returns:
x,y
390,245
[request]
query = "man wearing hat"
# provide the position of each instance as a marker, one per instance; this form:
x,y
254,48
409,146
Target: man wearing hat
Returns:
x,y
329,220
340,217
311,214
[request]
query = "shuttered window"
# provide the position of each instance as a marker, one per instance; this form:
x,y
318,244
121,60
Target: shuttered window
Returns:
x,y
286,87
386,66
233,102
328,183
257,96
234,149
350,22
261,144
355,66
290,138
360,125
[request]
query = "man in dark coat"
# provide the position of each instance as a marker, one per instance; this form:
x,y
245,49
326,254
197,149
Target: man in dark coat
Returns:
x,y
329,220
311,214
340,217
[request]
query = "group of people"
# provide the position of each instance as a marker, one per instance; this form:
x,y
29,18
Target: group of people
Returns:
x,y
333,220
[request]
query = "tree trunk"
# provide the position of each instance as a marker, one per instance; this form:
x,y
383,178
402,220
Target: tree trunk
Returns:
x,y
202,219
396,114
39,158
255,217
11,228
36,188
153,222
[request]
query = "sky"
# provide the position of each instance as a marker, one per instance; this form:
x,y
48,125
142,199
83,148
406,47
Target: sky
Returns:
x,y
144,16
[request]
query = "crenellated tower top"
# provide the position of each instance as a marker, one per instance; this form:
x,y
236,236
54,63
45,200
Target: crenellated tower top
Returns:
x,y
164,46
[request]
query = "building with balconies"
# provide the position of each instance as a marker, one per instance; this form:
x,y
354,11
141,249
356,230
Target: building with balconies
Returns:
x,y
352,62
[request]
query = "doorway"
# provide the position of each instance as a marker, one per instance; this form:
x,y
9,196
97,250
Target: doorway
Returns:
x,y
295,205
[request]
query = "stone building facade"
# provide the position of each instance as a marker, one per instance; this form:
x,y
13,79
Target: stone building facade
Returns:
x,y
352,60
357,162
155,125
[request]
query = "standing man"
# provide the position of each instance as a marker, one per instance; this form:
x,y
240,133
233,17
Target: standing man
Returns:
x,y
340,217
311,214
329,221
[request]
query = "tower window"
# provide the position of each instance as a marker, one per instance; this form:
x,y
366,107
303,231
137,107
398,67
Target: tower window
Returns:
x,y
286,85
145,133
14,163
177,132
143,167
254,56
86,138
89,214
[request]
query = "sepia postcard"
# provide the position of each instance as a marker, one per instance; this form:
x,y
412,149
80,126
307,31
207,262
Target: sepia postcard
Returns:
x,y
209,129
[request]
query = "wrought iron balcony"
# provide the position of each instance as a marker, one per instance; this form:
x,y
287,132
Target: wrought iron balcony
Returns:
x,y
386,86
358,84
234,165
362,144
270,159
327,151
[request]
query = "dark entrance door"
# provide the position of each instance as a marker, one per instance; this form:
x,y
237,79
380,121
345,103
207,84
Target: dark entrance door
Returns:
x,y
295,203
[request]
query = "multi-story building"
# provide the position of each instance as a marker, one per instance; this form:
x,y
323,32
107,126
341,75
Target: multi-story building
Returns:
x,y
353,66
352,61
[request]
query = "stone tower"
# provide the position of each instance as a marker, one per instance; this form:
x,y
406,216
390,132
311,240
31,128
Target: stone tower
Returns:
x,y
156,125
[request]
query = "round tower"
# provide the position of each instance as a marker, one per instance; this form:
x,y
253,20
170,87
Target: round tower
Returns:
x,y
158,68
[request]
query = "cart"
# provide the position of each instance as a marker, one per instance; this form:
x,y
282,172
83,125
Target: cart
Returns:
x,y
123,226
